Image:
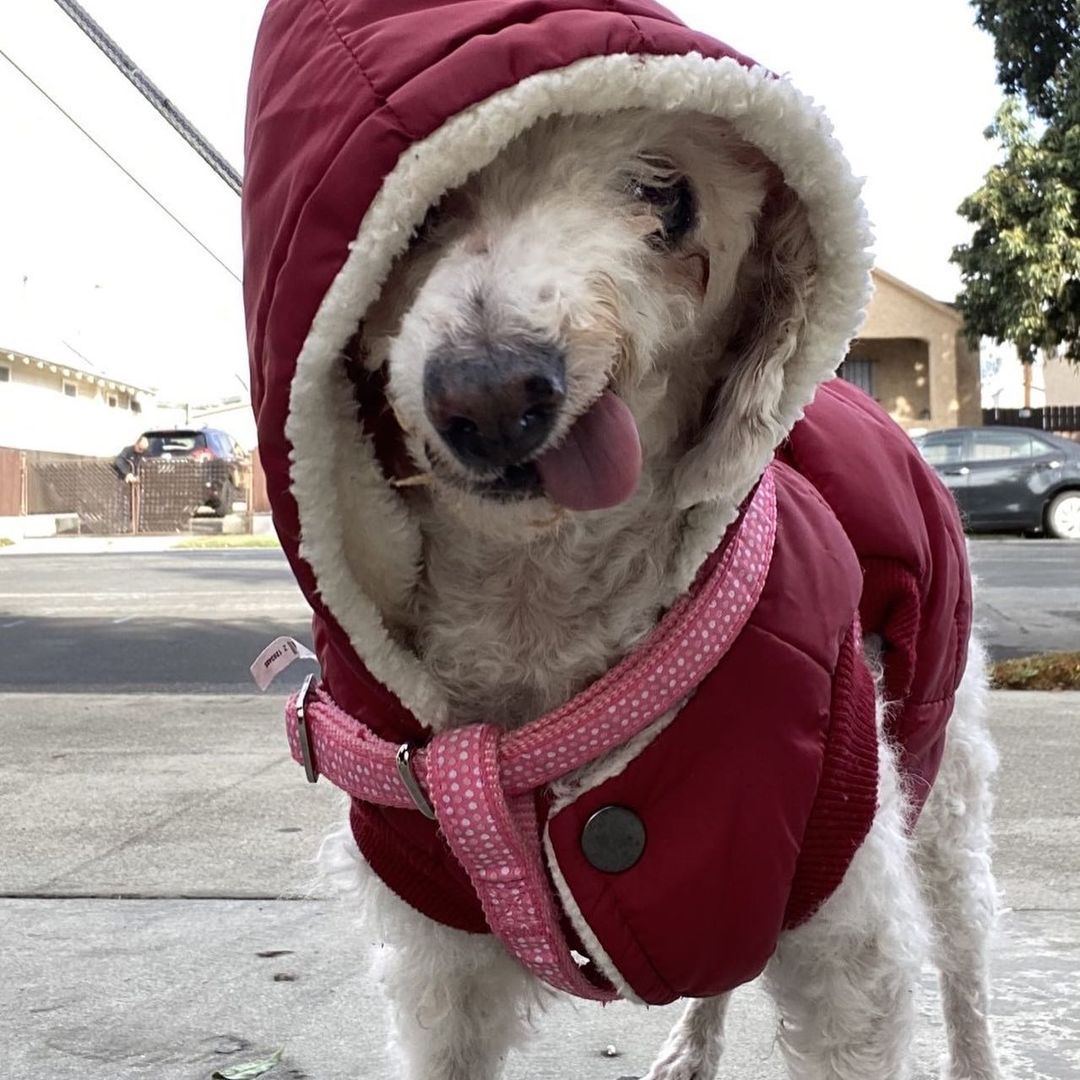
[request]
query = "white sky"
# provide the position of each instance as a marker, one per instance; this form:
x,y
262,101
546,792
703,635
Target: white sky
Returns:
x,y
88,262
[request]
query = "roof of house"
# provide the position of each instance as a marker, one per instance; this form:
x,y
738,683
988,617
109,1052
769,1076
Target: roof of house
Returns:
x,y
72,371
938,305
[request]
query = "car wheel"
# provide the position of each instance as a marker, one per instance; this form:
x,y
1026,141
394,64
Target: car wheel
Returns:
x,y
1063,516
224,500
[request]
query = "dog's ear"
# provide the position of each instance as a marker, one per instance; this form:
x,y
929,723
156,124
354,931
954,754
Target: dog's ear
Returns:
x,y
742,424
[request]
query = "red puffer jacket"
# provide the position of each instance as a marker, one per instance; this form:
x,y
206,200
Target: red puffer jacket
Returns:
x,y
768,776
361,112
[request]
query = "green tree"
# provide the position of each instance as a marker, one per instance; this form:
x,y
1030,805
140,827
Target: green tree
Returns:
x,y
1021,269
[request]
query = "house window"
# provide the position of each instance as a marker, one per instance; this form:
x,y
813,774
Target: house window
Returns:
x,y
858,371
70,389
113,402
5,373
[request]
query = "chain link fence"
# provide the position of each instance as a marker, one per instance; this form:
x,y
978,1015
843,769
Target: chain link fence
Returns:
x,y
169,496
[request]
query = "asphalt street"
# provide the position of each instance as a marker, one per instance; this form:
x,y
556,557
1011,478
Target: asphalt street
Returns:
x,y
193,621
134,622
1027,596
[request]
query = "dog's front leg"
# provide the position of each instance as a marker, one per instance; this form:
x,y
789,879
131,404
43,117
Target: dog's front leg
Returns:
x,y
692,1050
845,981
458,1001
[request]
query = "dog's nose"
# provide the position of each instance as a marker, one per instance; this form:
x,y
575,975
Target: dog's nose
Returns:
x,y
493,405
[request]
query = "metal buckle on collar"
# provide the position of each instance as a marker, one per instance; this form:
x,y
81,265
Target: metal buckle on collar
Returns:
x,y
412,785
302,734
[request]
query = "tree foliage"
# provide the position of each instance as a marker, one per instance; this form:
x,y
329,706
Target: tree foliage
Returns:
x,y
1037,46
1021,270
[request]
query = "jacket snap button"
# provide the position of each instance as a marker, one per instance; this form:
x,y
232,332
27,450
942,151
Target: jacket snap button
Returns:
x,y
613,839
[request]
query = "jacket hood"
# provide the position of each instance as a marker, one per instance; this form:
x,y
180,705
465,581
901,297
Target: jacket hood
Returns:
x,y
361,115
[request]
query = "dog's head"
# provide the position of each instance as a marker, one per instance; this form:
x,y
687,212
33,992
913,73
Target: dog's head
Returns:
x,y
637,241
610,295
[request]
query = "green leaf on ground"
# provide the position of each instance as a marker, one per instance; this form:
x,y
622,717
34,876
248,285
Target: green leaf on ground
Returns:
x,y
1050,671
250,1069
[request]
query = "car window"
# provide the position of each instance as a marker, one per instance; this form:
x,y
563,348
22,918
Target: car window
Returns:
x,y
168,442
993,445
1041,446
224,444
942,449
181,444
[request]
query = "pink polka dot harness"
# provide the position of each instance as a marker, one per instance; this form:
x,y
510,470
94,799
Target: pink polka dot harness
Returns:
x,y
479,781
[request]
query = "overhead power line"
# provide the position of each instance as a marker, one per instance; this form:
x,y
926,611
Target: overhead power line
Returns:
x,y
186,129
142,187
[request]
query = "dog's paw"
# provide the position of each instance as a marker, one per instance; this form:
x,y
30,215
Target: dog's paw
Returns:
x,y
978,1064
988,1071
682,1061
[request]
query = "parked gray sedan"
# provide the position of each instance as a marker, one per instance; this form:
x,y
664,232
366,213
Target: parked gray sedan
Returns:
x,y
1009,478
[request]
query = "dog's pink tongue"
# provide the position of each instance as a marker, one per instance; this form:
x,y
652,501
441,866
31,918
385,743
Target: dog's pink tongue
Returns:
x,y
598,464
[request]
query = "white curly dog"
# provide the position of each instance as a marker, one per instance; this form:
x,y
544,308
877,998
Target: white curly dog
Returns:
x,y
645,292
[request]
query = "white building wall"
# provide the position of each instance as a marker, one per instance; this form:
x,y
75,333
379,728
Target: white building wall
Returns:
x,y
1003,378
35,413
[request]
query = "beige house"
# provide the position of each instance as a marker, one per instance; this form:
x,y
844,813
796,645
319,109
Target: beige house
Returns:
x,y
57,407
911,356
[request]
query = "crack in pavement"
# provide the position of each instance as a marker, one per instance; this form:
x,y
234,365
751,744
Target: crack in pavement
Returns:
x,y
203,798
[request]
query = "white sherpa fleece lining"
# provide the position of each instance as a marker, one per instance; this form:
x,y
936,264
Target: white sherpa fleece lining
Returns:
x,y
345,504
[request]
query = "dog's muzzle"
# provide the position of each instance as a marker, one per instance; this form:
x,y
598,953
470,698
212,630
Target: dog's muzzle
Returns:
x,y
494,404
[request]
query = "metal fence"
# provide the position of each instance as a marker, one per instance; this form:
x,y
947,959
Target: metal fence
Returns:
x,y
87,487
170,496
1061,418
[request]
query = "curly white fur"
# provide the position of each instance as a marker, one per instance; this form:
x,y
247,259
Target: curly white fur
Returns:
x,y
504,611
519,604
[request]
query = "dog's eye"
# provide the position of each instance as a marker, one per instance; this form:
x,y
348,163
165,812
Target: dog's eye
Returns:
x,y
432,220
442,216
673,204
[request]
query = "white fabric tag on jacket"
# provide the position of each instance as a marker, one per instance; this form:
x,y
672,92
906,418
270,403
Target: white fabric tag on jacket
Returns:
x,y
276,657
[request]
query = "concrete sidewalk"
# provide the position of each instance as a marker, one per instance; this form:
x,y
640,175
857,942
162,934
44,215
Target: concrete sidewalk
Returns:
x,y
91,545
156,919
126,545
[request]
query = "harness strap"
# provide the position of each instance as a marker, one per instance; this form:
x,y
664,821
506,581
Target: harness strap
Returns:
x,y
496,837
480,781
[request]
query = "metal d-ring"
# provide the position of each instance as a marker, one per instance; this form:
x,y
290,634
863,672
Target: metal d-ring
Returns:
x,y
412,785
303,736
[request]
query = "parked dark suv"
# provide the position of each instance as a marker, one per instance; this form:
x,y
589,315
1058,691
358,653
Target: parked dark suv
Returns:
x,y
224,484
1009,478
201,444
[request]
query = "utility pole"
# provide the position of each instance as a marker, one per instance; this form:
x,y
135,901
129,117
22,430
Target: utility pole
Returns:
x,y
134,74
